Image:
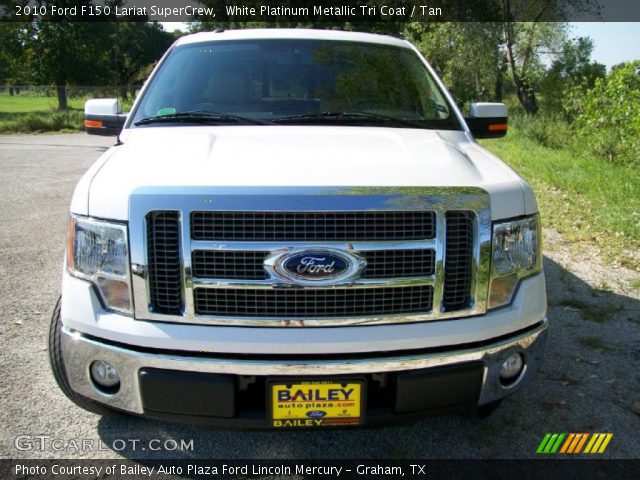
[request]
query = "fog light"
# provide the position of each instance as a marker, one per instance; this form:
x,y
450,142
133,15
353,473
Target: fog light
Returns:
x,y
105,376
511,368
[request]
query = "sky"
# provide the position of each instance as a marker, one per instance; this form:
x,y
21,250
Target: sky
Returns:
x,y
614,42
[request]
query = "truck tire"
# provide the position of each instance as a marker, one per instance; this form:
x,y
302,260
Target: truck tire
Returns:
x,y
59,373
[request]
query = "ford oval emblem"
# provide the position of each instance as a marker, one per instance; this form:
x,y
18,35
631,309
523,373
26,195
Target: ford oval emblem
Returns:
x,y
316,414
316,265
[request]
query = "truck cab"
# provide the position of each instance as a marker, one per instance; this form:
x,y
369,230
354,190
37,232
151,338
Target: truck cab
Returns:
x,y
298,229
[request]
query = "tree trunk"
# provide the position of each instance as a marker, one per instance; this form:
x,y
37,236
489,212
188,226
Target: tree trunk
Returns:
x,y
62,97
526,95
524,90
498,91
124,92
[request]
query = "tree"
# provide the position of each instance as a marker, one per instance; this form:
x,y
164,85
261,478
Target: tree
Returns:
x,y
525,45
542,34
466,56
65,51
134,46
607,117
572,67
13,68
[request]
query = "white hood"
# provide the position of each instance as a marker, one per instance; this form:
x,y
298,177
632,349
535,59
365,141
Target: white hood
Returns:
x,y
295,156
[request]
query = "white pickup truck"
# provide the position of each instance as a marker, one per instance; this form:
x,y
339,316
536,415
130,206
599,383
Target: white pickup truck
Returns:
x,y
297,228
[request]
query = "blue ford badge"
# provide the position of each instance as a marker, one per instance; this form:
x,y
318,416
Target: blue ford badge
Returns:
x,y
316,265
316,414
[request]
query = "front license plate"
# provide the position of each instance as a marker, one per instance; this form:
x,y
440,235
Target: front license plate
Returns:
x,y
316,403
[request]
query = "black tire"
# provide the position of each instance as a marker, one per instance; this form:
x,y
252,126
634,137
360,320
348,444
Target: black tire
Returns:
x,y
484,411
59,373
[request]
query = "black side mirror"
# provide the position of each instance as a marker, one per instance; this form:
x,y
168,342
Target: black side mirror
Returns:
x,y
103,116
488,120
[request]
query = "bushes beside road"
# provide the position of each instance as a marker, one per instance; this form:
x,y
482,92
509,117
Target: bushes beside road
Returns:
x,y
587,200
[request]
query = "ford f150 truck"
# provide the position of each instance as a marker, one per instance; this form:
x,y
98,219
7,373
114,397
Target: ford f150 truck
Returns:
x,y
297,228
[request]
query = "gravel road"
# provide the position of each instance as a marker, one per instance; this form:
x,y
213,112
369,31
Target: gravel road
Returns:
x,y
589,382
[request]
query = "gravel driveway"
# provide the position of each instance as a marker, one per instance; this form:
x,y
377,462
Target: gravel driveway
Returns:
x,y
589,382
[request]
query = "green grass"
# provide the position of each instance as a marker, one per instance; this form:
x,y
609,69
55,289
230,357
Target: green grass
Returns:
x,y
40,122
587,200
27,104
38,114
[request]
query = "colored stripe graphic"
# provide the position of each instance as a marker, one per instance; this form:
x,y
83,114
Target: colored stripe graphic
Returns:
x,y
550,443
581,443
591,442
605,442
556,445
565,447
543,443
573,443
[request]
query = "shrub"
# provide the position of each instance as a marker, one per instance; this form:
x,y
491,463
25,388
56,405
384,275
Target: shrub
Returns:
x,y
548,129
607,117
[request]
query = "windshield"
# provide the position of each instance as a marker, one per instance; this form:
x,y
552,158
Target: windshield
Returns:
x,y
295,82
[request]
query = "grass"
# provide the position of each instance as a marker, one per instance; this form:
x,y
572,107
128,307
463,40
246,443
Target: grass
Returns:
x,y
587,200
28,104
38,114
40,122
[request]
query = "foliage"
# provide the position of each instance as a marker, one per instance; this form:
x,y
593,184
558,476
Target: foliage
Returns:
x,y
67,52
588,201
571,68
46,121
134,47
471,74
607,116
549,129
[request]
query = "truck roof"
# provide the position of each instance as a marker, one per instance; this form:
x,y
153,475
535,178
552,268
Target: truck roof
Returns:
x,y
291,33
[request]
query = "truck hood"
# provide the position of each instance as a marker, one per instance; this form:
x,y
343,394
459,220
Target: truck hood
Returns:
x,y
295,156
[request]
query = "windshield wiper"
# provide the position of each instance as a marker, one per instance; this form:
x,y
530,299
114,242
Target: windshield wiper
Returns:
x,y
200,116
337,116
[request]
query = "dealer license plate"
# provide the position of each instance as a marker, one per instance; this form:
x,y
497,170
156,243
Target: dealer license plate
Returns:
x,y
316,403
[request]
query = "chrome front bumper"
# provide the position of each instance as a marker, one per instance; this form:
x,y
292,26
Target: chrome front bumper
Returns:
x,y
80,351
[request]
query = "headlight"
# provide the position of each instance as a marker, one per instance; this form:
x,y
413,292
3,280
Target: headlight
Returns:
x,y
515,253
98,251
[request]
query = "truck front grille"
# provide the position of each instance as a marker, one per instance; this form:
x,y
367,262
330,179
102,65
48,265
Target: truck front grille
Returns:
x,y
223,267
249,265
305,303
312,226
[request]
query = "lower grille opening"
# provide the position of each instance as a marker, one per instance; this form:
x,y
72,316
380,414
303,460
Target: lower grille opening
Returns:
x,y
307,303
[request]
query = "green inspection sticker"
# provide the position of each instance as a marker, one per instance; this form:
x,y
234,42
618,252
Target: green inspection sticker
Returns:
x,y
166,111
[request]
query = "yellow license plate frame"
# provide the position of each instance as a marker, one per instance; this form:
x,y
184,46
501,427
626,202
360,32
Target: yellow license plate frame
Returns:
x,y
316,403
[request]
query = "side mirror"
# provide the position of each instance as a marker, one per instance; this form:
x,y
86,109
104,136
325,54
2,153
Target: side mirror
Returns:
x,y
488,120
103,116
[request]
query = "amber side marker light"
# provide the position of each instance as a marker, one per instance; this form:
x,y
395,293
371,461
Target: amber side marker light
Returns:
x,y
498,127
93,123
